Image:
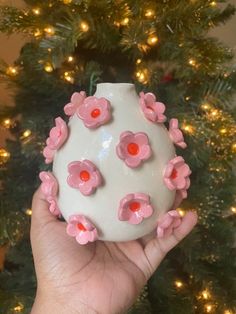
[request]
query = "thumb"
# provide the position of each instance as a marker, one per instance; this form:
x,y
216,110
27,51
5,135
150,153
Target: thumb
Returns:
x,y
40,211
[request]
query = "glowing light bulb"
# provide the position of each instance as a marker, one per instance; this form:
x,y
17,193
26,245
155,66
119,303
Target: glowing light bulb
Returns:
x,y
206,294
213,3
223,131
7,123
26,133
152,40
206,106
233,209
181,211
49,30
142,76
138,61
192,62
48,67
228,312
4,156
233,147
19,308
149,13
178,284
36,11
84,26
37,33
70,59
12,71
125,21
67,1
188,128
68,77
209,308
28,211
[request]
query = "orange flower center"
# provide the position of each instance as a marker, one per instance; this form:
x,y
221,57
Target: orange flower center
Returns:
x,y
95,113
174,174
84,175
133,149
81,227
134,206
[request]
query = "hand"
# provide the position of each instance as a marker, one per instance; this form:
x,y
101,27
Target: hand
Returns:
x,y
100,277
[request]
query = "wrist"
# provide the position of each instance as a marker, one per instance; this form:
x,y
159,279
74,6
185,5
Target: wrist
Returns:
x,y
43,305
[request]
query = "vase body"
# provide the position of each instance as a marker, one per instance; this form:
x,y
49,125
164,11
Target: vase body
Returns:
x,y
99,146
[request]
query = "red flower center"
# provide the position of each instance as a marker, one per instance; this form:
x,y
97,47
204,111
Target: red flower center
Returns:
x,y
174,174
95,113
81,227
133,148
84,175
134,206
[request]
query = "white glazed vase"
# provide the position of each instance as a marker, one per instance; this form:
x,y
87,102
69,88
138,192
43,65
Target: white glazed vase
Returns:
x,y
99,146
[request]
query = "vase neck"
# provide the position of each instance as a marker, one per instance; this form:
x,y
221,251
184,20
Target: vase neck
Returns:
x,y
113,89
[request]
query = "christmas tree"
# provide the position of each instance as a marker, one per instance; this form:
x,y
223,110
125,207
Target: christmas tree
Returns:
x,y
162,47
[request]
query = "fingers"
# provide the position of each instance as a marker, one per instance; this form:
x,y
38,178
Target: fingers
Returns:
x,y
40,210
156,249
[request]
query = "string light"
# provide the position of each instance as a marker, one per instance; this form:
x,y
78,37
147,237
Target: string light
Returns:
x,y
152,40
192,62
178,284
206,106
28,211
19,307
206,294
233,209
68,77
149,13
26,133
142,76
48,67
125,21
37,33
181,211
209,308
49,30
66,1
228,312
223,131
233,147
7,123
138,61
36,11
213,3
187,98
12,71
70,59
84,26
188,128
4,156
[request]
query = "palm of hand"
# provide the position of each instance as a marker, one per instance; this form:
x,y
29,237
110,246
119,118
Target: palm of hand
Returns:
x,y
103,277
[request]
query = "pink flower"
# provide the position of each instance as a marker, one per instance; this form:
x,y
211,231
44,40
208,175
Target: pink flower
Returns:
x,y
134,208
82,229
176,134
53,207
49,188
76,100
49,184
48,154
84,175
56,139
176,174
133,148
179,196
94,111
153,110
167,223
58,134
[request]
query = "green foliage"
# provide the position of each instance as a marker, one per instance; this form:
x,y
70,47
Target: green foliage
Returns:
x,y
187,70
